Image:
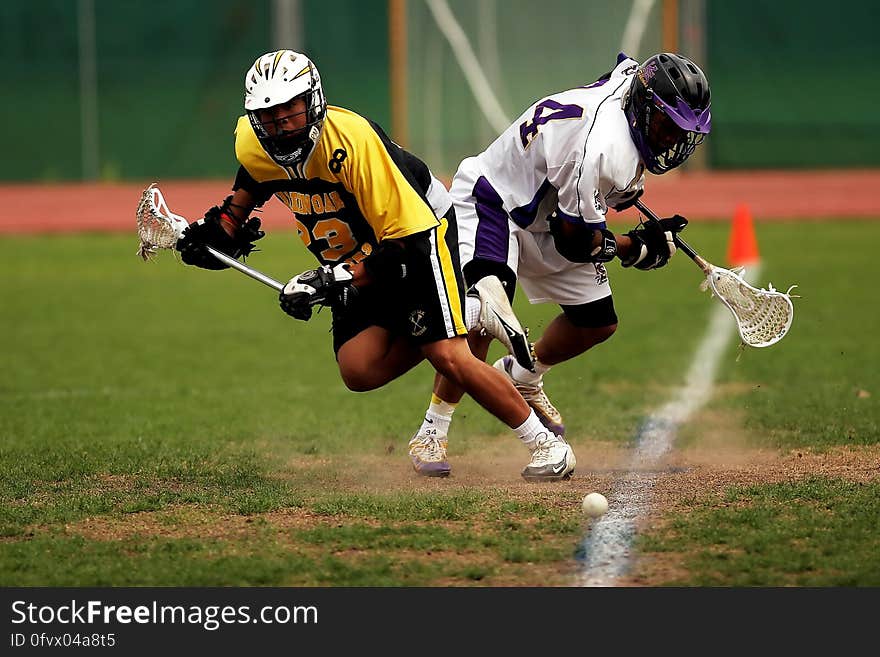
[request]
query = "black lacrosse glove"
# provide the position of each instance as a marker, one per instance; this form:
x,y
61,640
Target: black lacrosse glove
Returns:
x,y
653,243
209,231
324,286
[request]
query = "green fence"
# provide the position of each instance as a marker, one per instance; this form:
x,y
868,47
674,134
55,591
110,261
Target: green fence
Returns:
x,y
522,49
139,89
794,83
166,88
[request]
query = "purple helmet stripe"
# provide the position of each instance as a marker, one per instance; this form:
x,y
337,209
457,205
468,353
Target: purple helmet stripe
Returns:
x,y
685,117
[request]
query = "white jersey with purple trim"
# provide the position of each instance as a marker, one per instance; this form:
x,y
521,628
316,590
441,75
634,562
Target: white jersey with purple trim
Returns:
x,y
570,152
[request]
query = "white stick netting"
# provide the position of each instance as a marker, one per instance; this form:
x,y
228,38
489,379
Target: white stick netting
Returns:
x,y
763,317
158,227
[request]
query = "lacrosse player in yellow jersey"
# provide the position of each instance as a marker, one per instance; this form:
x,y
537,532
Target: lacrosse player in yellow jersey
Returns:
x,y
383,230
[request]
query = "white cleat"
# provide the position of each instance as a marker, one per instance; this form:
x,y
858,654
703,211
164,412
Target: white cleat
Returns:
x,y
427,450
498,320
552,459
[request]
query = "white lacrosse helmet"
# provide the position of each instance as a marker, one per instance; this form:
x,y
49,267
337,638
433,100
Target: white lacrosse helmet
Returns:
x,y
276,78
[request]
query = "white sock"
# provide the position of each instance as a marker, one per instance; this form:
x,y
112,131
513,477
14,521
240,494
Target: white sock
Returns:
x,y
528,431
471,312
525,376
438,416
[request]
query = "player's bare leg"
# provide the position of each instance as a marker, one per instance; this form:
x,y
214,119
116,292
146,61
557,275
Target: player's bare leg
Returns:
x,y
427,447
453,359
552,458
561,341
372,358
446,389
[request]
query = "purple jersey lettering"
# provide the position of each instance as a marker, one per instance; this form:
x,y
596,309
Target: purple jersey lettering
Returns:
x,y
547,110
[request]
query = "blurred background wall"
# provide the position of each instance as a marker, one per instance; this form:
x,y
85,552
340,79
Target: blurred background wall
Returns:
x,y
132,89
116,90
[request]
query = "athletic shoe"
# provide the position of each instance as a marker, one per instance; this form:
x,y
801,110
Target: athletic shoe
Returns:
x,y
428,453
535,397
498,319
552,459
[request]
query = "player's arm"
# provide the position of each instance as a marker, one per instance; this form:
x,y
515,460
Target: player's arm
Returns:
x,y
225,227
578,241
237,210
387,183
578,224
579,230
648,246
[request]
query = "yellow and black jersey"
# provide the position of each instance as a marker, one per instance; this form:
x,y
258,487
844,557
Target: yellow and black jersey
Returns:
x,y
356,189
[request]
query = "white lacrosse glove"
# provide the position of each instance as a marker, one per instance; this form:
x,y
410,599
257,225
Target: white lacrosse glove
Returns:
x,y
324,286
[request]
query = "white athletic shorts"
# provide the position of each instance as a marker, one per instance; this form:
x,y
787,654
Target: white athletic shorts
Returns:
x,y
487,232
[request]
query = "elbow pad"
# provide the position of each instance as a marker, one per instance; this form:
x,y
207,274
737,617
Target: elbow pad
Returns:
x,y
574,241
631,201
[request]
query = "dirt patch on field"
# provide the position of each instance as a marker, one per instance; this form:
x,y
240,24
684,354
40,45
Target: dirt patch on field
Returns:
x,y
706,475
496,464
717,460
187,522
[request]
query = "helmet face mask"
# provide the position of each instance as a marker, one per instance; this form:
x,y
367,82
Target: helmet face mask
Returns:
x,y
668,110
670,144
283,129
273,86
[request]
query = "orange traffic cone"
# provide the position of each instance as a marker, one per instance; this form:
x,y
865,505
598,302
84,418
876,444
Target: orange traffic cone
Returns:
x,y
743,246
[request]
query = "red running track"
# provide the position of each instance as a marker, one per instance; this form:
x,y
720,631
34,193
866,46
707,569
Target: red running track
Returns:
x,y
769,195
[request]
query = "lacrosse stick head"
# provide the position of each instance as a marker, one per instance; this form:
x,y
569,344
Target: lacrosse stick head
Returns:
x,y
763,317
157,227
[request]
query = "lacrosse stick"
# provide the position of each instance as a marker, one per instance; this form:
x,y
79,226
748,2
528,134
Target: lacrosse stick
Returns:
x,y
159,228
763,317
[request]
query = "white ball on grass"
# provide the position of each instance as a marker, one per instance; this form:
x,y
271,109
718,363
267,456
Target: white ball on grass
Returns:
x,y
594,504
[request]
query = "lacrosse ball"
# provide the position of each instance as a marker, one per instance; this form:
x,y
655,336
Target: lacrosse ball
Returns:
x,y
594,504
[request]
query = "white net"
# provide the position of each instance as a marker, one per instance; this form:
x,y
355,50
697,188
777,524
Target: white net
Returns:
x,y
473,67
158,227
762,316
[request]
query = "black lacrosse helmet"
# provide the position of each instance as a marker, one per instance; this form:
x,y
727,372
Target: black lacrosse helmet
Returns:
x,y
668,110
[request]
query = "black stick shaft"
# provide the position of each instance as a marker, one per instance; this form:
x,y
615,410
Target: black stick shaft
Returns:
x,y
680,243
684,246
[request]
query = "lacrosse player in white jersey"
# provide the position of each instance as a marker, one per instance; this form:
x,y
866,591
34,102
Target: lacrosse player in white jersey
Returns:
x,y
531,208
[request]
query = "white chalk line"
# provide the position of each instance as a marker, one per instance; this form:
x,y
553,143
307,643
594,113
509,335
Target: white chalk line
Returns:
x,y
606,549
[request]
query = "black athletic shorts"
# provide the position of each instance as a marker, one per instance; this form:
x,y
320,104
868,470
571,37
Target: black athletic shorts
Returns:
x,y
426,306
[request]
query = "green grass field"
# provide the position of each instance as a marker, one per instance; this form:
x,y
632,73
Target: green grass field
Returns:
x,y
168,426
